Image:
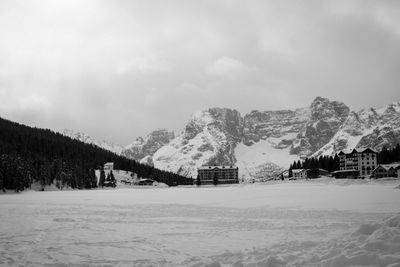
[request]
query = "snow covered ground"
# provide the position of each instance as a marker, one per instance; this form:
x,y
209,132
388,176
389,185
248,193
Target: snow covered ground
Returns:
x,y
296,223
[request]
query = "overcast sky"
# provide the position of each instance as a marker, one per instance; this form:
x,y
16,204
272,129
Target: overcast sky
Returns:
x,y
119,69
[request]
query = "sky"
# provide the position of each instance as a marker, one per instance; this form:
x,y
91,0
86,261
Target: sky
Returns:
x,y
117,70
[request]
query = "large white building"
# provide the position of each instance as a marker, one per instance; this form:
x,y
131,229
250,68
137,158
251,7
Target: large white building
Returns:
x,y
218,174
362,160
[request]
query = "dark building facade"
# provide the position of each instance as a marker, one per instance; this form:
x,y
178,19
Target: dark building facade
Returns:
x,y
218,175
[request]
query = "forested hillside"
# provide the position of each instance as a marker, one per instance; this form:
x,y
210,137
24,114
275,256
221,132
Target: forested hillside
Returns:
x,y
31,154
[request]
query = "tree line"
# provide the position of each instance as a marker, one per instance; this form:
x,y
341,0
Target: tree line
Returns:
x,y
387,156
29,154
331,163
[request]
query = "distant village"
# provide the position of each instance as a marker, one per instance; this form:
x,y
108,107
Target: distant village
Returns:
x,y
358,163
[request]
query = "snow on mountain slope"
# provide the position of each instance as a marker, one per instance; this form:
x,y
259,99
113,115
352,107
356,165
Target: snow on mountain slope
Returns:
x,y
325,119
209,138
262,159
143,149
262,143
89,140
366,128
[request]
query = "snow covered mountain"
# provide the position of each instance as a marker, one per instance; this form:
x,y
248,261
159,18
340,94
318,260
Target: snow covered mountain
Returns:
x,y
210,137
262,143
80,136
144,148
366,128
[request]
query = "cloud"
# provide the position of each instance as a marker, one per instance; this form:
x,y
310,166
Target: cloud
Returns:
x,y
141,64
227,67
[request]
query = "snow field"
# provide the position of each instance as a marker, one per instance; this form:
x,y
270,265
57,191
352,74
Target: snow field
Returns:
x,y
278,224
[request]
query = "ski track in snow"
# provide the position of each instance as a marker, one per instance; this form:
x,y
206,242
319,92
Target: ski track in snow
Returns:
x,y
277,224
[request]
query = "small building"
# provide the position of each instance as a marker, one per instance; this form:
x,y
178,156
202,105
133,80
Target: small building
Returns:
x,y
109,166
343,174
218,175
386,170
146,182
299,173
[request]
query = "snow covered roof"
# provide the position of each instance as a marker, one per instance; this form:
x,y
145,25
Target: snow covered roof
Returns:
x,y
357,150
217,167
146,179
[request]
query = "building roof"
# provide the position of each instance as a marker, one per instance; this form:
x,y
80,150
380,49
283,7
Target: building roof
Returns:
x,y
319,169
344,171
217,167
145,180
298,170
387,167
357,150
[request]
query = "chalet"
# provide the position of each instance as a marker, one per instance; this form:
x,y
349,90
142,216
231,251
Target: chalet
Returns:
x,y
299,173
386,170
109,166
218,174
362,160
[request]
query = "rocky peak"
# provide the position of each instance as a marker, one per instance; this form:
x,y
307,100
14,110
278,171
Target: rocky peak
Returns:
x,y
143,147
391,113
323,108
139,140
229,121
225,120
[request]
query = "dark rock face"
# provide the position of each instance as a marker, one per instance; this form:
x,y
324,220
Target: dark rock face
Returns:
x,y
366,128
262,125
303,130
147,147
325,119
229,123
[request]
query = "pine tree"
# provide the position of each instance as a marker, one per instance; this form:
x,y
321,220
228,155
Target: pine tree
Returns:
x,y
93,178
198,182
112,179
2,182
102,178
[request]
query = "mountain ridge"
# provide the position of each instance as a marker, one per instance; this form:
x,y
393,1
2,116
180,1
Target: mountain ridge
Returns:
x,y
263,143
